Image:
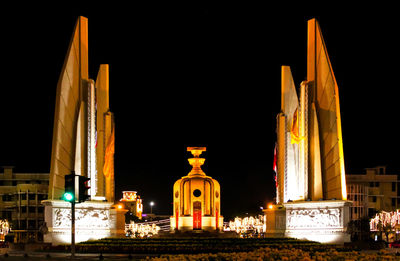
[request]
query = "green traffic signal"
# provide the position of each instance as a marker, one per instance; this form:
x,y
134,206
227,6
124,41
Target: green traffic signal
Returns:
x,y
68,196
69,187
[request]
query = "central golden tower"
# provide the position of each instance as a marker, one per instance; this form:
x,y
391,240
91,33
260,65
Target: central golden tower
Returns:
x,y
196,198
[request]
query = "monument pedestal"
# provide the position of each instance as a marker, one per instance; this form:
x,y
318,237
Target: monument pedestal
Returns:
x,y
322,221
207,223
93,220
276,221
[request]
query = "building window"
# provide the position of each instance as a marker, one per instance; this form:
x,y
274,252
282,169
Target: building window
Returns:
x,y
374,199
23,209
23,196
32,210
32,196
393,186
42,196
31,224
393,202
371,184
376,184
23,224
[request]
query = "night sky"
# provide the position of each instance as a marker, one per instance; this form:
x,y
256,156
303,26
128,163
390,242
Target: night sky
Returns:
x,y
199,76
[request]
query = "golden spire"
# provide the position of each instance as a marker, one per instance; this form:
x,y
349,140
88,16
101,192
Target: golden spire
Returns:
x,y
196,162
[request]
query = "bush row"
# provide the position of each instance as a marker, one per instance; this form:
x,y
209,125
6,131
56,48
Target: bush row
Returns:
x,y
193,246
282,254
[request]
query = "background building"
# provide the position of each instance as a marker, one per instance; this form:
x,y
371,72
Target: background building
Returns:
x,y
372,192
133,203
20,203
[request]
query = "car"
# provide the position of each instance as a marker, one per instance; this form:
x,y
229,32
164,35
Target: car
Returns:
x,y
395,244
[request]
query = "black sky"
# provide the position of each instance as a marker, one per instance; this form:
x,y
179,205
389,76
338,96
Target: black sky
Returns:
x,y
199,76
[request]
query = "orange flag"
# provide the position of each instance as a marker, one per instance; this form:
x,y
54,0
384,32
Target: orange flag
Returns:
x,y
108,168
294,133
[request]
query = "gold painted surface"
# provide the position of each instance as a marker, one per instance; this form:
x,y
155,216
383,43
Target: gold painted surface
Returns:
x,y
196,162
102,95
326,97
184,197
69,95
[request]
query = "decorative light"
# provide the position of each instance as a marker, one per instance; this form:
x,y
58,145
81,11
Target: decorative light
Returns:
x,y
140,230
129,196
248,225
384,219
139,206
4,228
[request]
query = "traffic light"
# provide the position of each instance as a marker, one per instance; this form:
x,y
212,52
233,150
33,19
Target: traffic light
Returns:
x,y
69,187
83,189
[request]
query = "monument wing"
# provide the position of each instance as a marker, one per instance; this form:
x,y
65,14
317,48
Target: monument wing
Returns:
x,y
326,98
68,103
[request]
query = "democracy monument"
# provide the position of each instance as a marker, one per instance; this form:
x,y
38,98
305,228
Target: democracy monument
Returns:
x,y
196,199
83,142
311,199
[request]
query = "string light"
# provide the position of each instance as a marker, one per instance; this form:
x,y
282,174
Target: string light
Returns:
x,y
137,230
248,225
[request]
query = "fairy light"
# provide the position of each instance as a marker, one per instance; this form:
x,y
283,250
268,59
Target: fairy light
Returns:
x,y
247,225
137,230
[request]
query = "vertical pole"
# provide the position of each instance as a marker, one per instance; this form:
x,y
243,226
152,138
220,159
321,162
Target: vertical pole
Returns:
x,y
73,228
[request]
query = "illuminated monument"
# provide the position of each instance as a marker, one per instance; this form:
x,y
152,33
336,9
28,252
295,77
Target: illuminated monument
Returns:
x,y
83,141
311,185
196,199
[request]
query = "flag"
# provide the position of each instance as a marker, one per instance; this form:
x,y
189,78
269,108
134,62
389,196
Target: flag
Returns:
x,y
108,168
275,167
294,132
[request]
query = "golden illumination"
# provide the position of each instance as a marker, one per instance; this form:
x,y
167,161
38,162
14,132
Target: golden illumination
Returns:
x,y
139,207
196,198
129,196
270,206
4,228
253,225
108,168
131,201
196,162
135,230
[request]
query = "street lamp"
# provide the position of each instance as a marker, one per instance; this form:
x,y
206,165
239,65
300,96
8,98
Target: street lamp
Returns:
x,y
151,207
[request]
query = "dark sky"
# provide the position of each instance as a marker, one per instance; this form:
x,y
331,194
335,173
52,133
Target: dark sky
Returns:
x,y
199,76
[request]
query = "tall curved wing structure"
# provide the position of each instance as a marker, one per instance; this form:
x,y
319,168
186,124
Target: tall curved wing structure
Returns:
x,y
105,136
325,97
69,99
288,150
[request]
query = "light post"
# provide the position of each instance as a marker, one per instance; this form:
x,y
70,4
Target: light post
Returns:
x,y
151,207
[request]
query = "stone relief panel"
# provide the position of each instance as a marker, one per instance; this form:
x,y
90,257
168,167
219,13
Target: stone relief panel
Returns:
x,y
84,218
314,218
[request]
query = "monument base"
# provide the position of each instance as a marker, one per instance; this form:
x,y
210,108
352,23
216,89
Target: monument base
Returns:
x,y
93,220
207,223
275,221
322,221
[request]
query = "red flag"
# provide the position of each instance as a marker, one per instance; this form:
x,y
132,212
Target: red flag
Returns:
x,y
275,168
